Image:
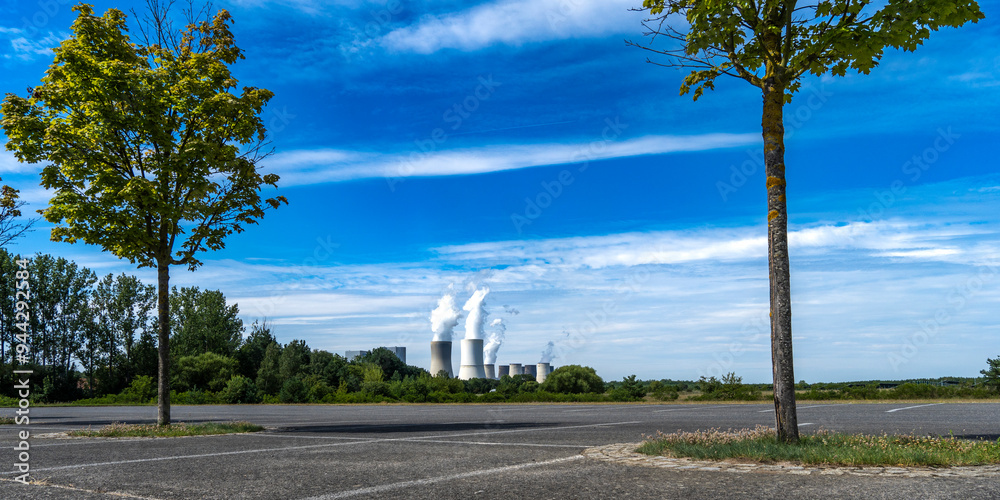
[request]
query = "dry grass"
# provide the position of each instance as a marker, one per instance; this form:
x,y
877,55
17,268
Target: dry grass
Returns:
x,y
824,447
119,429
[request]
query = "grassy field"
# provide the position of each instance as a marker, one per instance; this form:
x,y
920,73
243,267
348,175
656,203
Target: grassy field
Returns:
x,y
824,448
173,430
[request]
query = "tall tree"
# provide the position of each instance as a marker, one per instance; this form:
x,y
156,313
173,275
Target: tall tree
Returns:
x,y
123,307
251,352
268,375
202,322
60,305
772,44
151,154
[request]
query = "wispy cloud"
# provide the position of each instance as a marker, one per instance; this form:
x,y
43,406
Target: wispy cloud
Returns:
x,y
514,22
860,290
331,165
25,48
877,239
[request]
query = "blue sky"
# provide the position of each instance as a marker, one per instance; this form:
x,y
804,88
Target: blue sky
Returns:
x,y
523,146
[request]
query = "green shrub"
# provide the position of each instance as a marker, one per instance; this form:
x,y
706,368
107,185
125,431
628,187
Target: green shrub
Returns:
x,y
240,390
492,397
663,392
375,388
573,379
193,397
141,390
208,370
528,386
293,391
319,391
730,388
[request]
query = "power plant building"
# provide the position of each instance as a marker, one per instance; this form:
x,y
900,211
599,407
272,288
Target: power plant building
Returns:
x,y
400,353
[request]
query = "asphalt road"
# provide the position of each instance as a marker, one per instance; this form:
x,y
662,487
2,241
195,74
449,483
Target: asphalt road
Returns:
x,y
454,451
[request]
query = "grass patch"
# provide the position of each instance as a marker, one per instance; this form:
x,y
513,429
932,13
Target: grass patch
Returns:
x,y
824,448
6,420
118,429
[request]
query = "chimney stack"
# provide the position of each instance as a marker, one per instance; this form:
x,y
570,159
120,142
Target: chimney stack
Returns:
x,y
441,358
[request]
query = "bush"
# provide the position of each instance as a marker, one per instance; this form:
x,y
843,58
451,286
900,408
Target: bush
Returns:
x,y
319,390
730,388
662,392
991,374
573,379
375,388
528,386
293,391
240,390
194,397
632,388
480,385
141,390
205,371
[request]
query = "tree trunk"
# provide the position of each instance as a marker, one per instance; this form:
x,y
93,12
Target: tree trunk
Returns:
x,y
163,388
786,421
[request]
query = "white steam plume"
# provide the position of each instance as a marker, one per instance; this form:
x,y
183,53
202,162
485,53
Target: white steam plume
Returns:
x,y
498,329
476,307
547,355
445,317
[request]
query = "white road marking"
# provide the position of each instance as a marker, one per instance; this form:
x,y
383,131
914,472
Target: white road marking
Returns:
x,y
810,423
688,408
327,445
431,480
797,408
72,488
490,443
911,407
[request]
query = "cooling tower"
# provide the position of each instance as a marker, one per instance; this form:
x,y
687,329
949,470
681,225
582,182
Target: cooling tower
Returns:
x,y
515,369
490,373
551,368
441,358
472,360
543,370
530,370
503,371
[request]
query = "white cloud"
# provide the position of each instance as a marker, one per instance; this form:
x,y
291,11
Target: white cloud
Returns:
x,y
514,22
889,239
329,165
667,303
10,164
27,49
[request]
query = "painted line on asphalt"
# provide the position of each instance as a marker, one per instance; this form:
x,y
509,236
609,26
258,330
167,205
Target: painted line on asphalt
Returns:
x,y
690,408
809,423
47,484
431,480
490,443
312,446
911,407
797,408
545,429
200,455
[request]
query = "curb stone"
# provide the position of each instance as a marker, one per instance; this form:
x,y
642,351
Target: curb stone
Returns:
x,y
624,453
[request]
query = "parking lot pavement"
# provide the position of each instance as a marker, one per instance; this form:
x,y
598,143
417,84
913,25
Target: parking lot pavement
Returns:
x,y
452,451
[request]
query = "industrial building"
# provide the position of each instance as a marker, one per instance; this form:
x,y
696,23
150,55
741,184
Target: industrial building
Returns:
x,y
400,353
